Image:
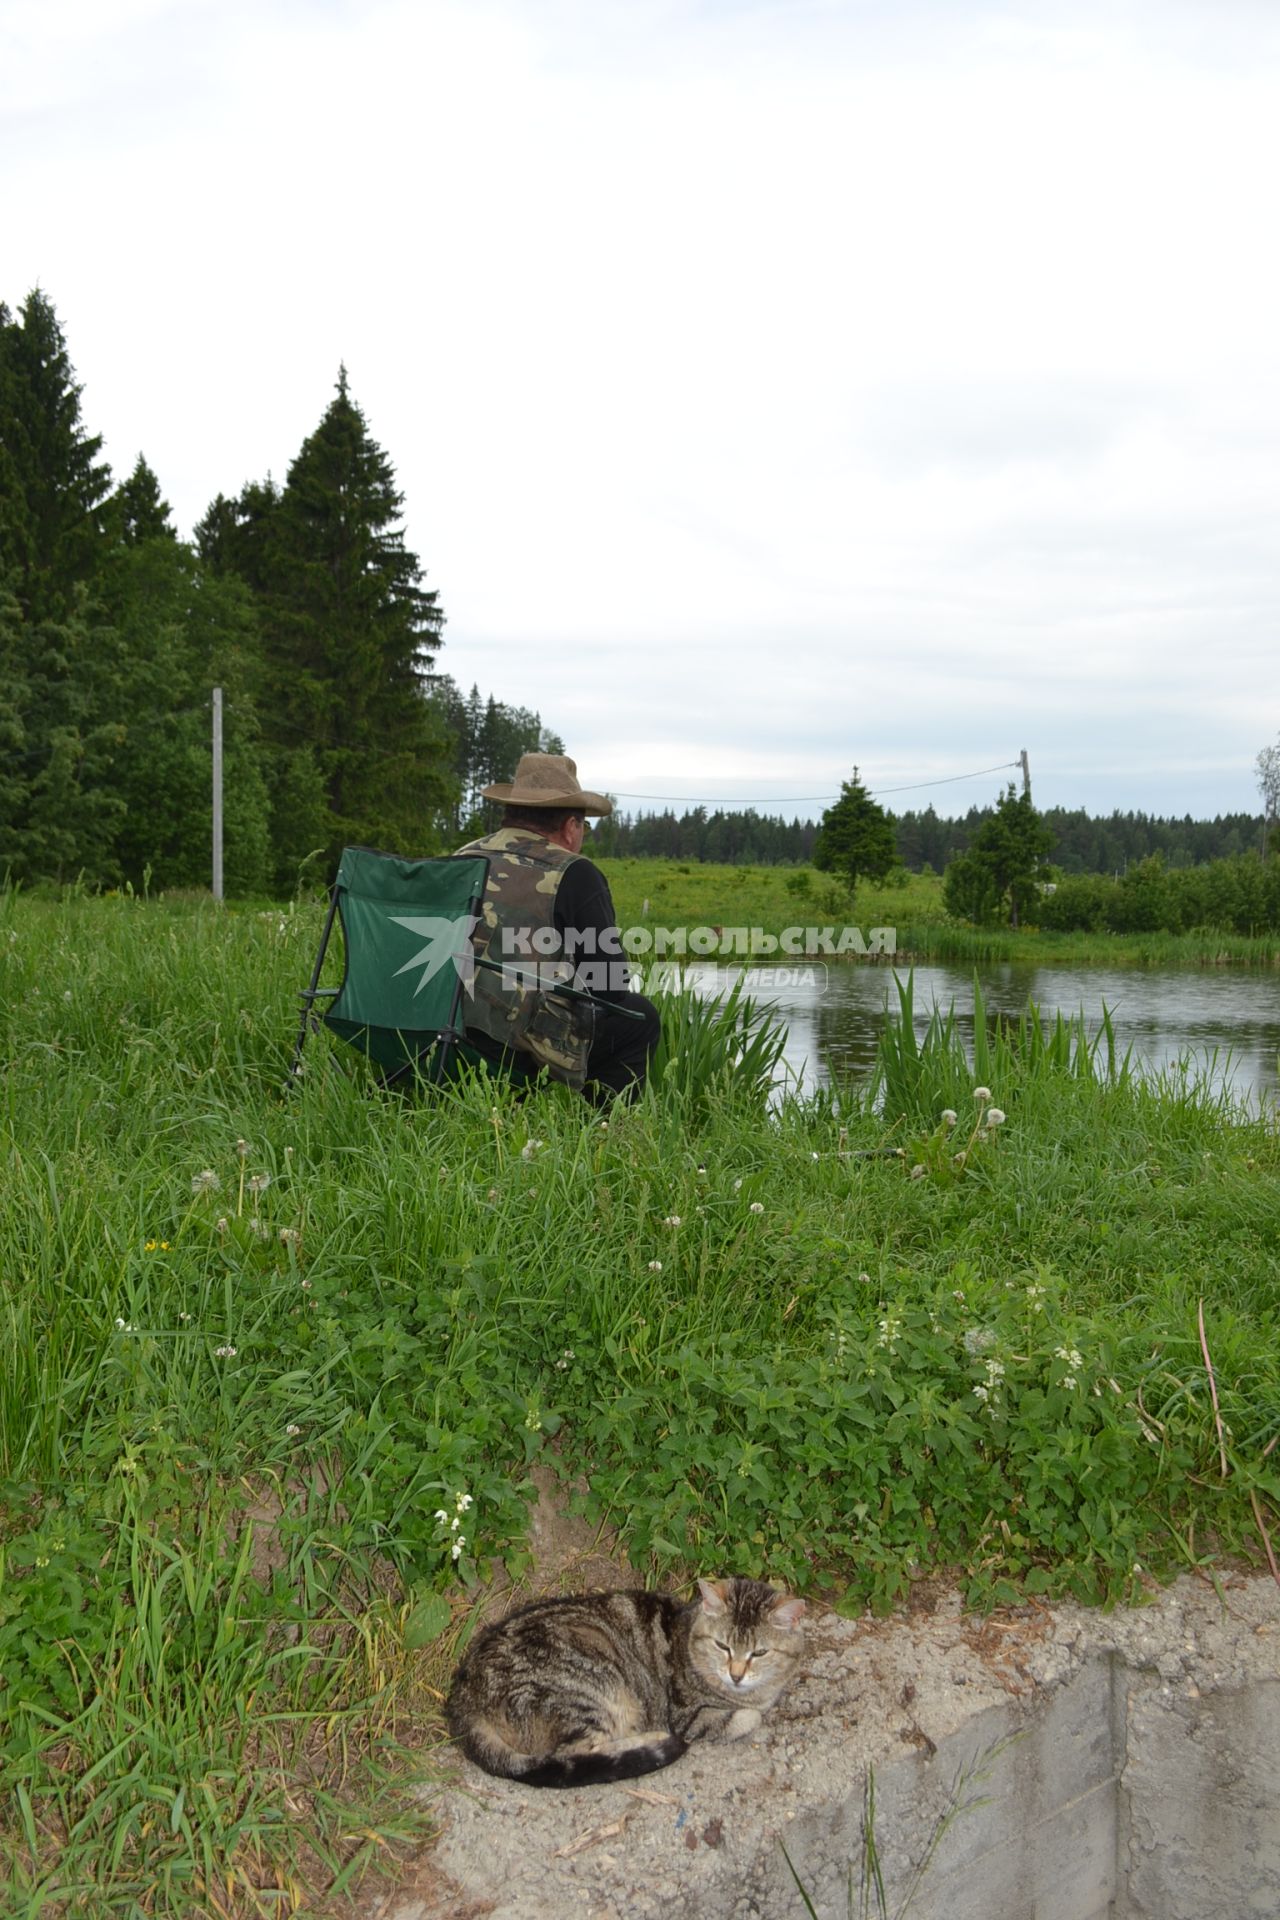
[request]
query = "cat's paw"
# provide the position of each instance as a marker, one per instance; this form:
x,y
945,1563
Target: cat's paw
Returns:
x,y
743,1722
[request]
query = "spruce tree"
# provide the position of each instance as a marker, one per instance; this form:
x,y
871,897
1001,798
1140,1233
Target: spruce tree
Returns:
x,y
140,511
857,839
55,487
349,633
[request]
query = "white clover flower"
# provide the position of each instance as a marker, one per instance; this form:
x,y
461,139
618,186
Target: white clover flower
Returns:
x,y
655,1266
565,1360
672,1220
995,1116
293,1429
225,1353
982,1093
865,1278
206,1182
949,1116
289,1236
757,1206
184,1316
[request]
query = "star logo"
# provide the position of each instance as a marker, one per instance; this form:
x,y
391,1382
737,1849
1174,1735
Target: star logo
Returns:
x,y
446,941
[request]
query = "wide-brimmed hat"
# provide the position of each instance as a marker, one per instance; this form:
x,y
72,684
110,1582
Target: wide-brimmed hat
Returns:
x,y
547,780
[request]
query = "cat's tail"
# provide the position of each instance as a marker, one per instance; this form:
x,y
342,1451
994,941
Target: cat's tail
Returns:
x,y
588,1764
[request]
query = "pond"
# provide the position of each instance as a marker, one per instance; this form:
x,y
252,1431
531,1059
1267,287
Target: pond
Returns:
x,y
1226,1021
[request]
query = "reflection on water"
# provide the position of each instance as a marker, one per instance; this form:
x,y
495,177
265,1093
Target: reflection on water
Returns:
x,y
834,1014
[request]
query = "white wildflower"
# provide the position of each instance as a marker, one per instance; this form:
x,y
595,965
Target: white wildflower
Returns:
x,y
672,1220
458,1545
531,1147
293,1429
918,1172
977,1340
737,1186
949,1116
655,1266
1073,1359
442,1517
258,1182
225,1353
222,1225
565,1361
1069,1381
206,1182
995,1116
289,1236
981,1393
757,1206
464,1502
982,1093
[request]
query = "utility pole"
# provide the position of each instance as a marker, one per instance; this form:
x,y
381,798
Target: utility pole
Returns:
x,y
1026,775
217,793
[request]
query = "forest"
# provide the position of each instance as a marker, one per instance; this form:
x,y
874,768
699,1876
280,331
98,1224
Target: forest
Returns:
x,y
301,602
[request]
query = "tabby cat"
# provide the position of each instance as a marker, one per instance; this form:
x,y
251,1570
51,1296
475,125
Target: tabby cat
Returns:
x,y
594,1687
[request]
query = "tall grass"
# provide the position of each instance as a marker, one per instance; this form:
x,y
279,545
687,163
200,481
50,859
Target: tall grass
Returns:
x,y
274,1369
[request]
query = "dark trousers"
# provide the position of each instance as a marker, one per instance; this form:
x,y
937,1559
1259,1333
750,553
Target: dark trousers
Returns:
x,y
621,1049
618,1062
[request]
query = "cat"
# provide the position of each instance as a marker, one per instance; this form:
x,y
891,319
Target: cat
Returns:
x,y
588,1688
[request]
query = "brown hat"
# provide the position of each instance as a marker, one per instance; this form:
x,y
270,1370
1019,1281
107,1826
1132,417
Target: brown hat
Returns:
x,y
547,780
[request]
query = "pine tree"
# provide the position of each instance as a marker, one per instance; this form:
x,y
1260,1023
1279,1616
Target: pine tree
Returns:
x,y
349,633
140,512
857,838
54,485
997,880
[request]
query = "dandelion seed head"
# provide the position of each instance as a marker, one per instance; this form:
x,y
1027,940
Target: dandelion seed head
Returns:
x,y
206,1182
258,1182
995,1116
949,1116
757,1206
982,1093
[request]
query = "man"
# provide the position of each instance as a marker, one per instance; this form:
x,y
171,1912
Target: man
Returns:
x,y
547,914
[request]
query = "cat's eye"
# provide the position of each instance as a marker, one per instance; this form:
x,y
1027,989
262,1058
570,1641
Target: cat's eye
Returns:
x,y
722,1646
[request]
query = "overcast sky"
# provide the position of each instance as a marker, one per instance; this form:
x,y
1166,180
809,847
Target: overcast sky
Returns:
x,y
774,385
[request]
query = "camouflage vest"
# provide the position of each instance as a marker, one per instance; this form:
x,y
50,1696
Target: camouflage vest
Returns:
x,y
525,872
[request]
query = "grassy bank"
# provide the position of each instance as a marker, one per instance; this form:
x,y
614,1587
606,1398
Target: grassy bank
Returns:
x,y
669,893
274,1371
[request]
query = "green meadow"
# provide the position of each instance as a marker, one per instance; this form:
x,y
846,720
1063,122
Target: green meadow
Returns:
x,y
276,1365
671,893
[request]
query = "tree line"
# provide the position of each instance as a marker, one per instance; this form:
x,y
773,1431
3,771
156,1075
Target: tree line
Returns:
x,y
926,840
302,602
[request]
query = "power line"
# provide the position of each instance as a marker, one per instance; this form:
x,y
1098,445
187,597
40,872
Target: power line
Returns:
x,y
809,799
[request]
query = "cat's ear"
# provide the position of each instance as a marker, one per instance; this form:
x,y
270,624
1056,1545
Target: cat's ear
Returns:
x,y
715,1596
787,1610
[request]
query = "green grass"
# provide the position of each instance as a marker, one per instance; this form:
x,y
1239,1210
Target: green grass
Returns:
x,y
240,1414
688,894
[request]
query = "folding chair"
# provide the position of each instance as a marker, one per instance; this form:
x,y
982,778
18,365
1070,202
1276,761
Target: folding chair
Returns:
x,y
406,929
